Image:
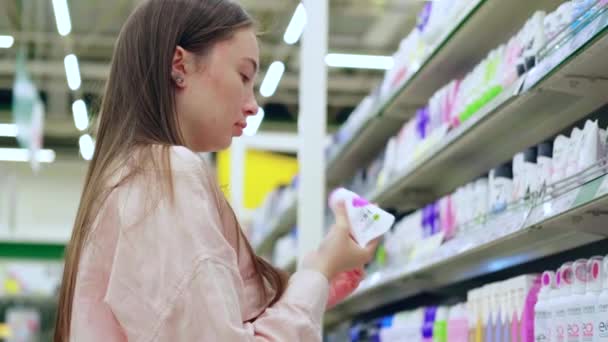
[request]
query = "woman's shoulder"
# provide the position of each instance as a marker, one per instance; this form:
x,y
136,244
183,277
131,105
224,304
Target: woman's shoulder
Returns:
x,y
179,159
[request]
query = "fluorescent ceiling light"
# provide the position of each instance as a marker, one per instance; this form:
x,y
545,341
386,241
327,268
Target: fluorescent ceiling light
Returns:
x,y
254,122
8,130
23,155
72,71
339,60
6,41
296,25
272,79
81,118
62,17
87,146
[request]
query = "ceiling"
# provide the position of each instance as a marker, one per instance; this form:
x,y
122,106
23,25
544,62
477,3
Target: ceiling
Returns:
x,y
356,26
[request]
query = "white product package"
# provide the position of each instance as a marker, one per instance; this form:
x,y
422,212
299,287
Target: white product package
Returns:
x,y
368,221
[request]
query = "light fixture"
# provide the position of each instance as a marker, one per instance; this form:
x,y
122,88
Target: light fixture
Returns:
x,y
254,122
8,130
72,71
6,41
272,79
339,60
62,17
81,117
87,146
296,25
23,155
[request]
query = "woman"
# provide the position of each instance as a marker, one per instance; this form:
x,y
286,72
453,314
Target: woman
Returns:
x,y
156,252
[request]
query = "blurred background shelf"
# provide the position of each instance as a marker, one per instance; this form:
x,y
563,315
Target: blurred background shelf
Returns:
x,y
281,226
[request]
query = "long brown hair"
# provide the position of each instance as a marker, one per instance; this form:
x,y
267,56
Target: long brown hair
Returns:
x,y
138,110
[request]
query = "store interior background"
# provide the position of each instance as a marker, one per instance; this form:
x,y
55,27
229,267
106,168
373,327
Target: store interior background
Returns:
x,y
38,203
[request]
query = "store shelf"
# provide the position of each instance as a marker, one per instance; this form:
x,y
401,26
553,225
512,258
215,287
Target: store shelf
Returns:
x,y
280,226
571,215
561,92
456,53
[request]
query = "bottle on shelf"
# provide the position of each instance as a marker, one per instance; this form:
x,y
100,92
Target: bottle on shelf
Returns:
x,y
573,302
601,321
458,325
440,327
560,313
542,312
590,300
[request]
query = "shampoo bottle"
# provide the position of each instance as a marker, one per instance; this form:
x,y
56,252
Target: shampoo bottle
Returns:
x,y
560,157
367,220
528,287
458,324
545,164
501,185
440,327
561,317
542,313
506,309
601,318
590,300
573,302
497,311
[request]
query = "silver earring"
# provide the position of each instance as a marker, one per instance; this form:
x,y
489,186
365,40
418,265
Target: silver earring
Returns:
x,y
179,80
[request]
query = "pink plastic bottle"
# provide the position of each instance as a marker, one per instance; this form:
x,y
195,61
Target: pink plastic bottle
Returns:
x,y
522,326
458,324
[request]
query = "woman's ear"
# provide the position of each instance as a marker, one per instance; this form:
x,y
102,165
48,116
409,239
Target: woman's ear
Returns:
x,y
178,67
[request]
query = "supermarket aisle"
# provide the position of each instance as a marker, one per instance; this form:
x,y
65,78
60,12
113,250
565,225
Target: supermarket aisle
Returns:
x,y
480,125
497,175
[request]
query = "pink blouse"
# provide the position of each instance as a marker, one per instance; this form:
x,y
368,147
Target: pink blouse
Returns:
x,y
156,269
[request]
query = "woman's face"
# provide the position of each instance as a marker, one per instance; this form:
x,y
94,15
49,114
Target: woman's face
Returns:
x,y
216,94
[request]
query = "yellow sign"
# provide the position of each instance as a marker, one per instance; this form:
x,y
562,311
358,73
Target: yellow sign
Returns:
x,y
5,331
264,171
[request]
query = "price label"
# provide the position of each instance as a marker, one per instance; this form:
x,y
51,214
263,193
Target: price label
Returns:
x,y
603,189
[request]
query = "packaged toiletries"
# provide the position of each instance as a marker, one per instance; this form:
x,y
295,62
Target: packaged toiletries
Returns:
x,y
480,198
542,310
601,318
590,300
525,174
534,39
590,146
500,187
574,146
447,217
573,302
527,287
560,157
560,313
545,164
430,316
488,328
458,324
505,310
472,315
497,289
440,326
367,220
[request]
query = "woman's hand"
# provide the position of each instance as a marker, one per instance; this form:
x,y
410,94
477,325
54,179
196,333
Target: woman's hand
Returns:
x,y
343,285
339,252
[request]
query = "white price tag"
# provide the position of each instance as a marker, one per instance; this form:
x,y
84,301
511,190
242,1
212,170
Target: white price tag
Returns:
x,y
603,190
585,34
564,202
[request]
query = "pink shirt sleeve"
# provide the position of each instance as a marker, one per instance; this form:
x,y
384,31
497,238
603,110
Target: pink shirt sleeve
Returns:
x,y
175,277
